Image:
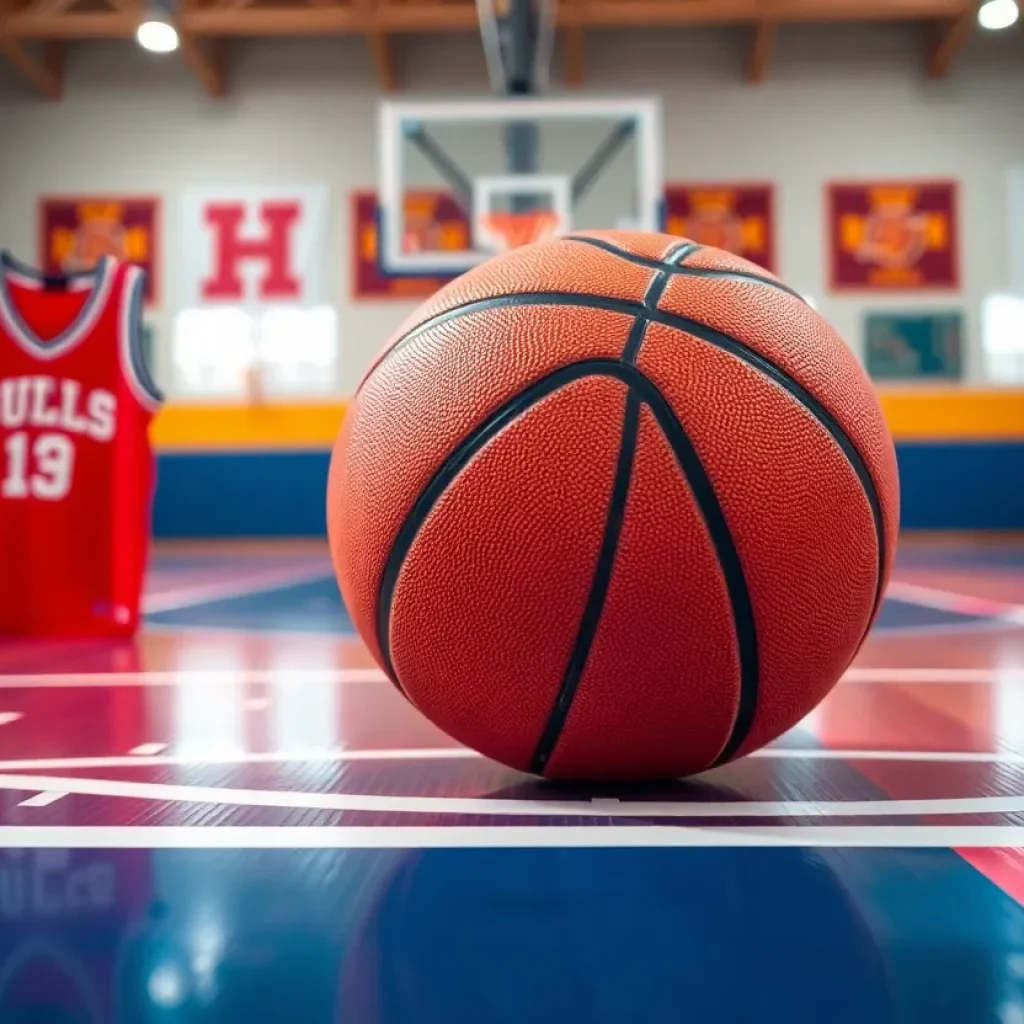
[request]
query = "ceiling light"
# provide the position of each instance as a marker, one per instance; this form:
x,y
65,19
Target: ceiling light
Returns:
x,y
997,14
156,32
157,36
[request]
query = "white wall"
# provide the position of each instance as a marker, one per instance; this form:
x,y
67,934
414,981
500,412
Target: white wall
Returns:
x,y
839,102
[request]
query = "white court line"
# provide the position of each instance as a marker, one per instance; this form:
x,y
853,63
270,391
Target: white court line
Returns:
x,y
273,757
301,677
256,704
7,717
148,749
179,629
226,837
293,800
934,675
43,799
254,583
462,753
924,756
298,676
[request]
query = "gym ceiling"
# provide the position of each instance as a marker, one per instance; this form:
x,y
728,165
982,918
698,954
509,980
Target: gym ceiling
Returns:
x,y
33,33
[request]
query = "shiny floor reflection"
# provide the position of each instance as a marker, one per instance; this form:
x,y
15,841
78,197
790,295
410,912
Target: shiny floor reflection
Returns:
x,y
716,935
235,818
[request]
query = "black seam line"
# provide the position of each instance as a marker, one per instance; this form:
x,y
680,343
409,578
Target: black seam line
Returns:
x,y
671,263
693,470
723,341
679,269
645,261
655,290
613,526
598,589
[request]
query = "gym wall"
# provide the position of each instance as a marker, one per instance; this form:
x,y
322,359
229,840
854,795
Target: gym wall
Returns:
x,y
306,112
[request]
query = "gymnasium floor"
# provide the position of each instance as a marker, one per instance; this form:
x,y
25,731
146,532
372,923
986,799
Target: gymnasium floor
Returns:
x,y
238,819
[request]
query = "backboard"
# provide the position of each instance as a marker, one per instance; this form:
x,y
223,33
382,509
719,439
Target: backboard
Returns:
x,y
512,170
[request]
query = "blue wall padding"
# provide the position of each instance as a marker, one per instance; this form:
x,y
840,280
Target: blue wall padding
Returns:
x,y
947,486
241,494
962,486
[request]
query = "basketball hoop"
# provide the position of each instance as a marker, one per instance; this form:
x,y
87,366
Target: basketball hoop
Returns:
x,y
510,230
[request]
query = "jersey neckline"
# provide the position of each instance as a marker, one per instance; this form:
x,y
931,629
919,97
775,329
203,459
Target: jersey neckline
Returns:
x,y
97,280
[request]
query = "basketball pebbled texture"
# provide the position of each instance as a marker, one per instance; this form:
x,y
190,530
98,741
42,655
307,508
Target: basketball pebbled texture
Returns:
x,y
614,506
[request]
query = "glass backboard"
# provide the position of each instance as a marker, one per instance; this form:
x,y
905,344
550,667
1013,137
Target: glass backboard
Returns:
x,y
507,169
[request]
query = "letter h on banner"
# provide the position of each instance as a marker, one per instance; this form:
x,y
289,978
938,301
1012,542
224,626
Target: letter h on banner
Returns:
x,y
275,250
253,247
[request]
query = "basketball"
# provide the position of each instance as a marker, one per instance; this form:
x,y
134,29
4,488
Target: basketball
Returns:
x,y
614,506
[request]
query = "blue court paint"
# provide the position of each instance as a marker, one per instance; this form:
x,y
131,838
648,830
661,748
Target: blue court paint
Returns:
x,y
897,614
316,607
706,936
310,607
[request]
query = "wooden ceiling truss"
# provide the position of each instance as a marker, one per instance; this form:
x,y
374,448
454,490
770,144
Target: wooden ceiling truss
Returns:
x,y
32,31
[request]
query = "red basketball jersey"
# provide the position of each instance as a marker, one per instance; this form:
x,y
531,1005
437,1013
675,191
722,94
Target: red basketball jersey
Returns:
x,y
76,470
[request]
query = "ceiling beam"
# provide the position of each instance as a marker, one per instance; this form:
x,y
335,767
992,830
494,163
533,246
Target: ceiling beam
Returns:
x,y
762,46
205,60
46,75
659,13
570,19
389,17
382,49
575,55
944,45
271,21
73,25
206,63
50,6
35,72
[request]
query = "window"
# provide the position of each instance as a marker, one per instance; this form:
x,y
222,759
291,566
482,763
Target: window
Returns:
x,y
293,350
1002,338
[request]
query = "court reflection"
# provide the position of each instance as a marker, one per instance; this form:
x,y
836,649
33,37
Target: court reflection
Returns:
x,y
442,935
493,935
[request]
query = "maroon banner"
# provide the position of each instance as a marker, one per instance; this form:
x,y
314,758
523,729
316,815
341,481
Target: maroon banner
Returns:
x,y
75,231
738,218
434,223
893,235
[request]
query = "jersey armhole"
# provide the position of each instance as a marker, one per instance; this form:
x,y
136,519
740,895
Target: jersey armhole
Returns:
x,y
133,357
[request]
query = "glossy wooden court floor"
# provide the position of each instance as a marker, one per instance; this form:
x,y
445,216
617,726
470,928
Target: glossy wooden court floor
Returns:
x,y
236,818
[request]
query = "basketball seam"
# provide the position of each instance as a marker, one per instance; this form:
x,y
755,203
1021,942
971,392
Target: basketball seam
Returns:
x,y
655,290
660,265
601,581
599,584
693,471
683,271
719,339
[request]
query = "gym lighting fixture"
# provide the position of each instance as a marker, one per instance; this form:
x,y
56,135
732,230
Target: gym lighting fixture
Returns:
x,y
997,14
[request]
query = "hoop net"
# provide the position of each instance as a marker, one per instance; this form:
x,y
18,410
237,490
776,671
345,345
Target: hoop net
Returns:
x,y
511,230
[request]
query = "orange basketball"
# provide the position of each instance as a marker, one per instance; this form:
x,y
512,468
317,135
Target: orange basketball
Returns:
x,y
615,505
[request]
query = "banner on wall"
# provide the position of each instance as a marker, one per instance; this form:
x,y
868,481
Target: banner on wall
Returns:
x,y
914,346
75,231
253,248
893,235
433,221
737,218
